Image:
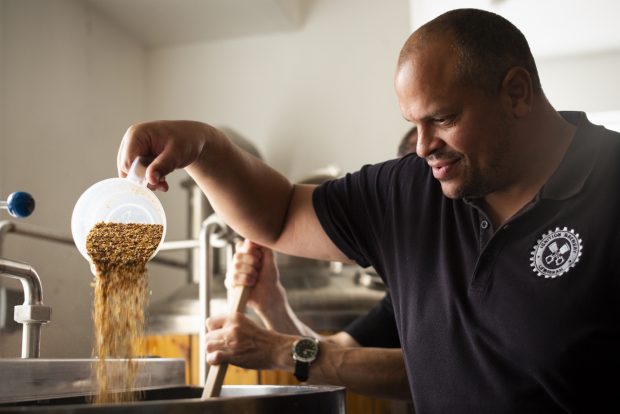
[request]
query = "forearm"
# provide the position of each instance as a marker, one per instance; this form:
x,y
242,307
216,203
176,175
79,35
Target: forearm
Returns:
x,y
277,315
280,317
258,202
375,372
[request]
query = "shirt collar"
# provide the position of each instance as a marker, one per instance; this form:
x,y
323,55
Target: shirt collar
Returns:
x,y
576,166
578,162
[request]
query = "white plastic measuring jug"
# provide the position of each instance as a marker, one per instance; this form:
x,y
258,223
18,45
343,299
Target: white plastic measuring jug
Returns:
x,y
117,200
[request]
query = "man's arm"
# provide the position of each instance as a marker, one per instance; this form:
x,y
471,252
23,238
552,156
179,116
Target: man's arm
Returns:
x,y
254,199
255,266
375,372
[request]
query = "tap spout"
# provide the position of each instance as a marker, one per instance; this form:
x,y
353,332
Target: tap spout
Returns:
x,y
32,313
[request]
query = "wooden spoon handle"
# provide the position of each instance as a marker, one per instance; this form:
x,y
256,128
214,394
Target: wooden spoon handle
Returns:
x,y
216,374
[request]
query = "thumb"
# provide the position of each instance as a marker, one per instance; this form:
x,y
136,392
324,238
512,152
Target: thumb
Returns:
x,y
245,246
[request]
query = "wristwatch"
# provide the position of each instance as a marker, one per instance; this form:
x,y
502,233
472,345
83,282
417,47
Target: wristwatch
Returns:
x,y
305,351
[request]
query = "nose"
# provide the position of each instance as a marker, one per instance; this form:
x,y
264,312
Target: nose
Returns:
x,y
426,143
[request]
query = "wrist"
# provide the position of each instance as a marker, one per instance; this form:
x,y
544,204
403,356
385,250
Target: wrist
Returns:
x,y
305,351
273,310
283,360
212,141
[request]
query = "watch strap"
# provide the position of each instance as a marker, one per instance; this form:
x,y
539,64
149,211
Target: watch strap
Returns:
x,y
302,371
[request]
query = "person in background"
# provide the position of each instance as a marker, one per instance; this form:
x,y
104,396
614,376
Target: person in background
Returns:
x,y
254,265
498,241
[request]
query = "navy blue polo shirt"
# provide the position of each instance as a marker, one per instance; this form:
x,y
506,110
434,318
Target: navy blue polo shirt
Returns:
x,y
520,319
377,327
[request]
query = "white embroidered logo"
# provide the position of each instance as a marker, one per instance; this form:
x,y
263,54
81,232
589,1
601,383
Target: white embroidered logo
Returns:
x,y
556,252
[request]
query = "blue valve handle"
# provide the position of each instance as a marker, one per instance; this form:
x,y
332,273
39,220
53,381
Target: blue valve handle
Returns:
x,y
19,204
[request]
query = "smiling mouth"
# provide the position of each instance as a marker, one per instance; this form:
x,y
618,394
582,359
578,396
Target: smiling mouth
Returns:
x,y
444,170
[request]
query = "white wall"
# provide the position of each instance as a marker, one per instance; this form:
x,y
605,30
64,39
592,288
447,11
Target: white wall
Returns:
x,y
321,95
2,93
585,82
71,83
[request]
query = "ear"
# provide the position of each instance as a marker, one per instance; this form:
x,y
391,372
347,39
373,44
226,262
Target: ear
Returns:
x,y
517,87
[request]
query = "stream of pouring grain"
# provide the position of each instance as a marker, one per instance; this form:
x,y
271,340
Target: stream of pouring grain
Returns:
x,y
119,252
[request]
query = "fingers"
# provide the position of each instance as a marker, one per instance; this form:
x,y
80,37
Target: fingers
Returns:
x,y
132,145
122,161
216,349
239,341
242,246
216,322
163,164
171,144
245,266
242,277
136,141
248,246
216,357
222,338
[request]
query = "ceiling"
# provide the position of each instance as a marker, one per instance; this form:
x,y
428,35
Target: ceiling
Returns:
x,y
552,27
169,22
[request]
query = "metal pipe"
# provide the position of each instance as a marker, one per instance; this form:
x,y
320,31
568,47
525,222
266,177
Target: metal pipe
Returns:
x,y
198,209
5,227
180,245
31,283
32,313
31,340
37,233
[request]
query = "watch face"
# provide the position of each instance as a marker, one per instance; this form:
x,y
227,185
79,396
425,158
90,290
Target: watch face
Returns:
x,y
306,350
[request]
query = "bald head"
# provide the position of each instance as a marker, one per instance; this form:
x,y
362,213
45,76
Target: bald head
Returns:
x,y
485,46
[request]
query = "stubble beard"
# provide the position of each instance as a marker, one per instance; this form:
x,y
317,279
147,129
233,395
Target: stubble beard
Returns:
x,y
480,181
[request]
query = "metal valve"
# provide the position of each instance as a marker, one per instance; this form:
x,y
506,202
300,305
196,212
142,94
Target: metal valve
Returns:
x,y
19,204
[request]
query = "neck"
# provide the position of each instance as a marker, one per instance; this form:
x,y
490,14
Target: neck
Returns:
x,y
549,138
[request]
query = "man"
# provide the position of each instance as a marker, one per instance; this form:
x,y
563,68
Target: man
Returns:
x,y
498,241
376,371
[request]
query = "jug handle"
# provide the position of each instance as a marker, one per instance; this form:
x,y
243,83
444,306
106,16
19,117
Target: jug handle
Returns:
x,y
137,171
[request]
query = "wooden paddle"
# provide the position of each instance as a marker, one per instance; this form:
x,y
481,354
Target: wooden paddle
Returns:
x,y
216,374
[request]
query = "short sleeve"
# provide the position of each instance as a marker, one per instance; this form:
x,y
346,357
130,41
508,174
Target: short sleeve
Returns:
x,y
352,210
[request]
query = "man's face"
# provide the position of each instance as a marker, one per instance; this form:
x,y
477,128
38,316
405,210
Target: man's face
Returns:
x,y
464,134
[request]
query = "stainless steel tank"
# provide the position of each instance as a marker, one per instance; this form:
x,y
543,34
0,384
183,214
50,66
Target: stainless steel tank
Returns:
x,y
40,379
65,387
324,300
254,399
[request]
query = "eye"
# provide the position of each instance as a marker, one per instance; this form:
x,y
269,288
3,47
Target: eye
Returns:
x,y
444,121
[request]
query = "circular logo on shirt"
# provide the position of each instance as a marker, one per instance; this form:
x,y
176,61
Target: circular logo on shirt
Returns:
x,y
556,252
